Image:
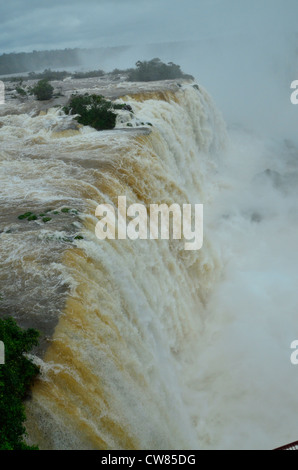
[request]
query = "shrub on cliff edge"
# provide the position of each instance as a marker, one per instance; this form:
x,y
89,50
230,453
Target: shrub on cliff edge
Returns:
x,y
43,90
155,69
94,111
16,377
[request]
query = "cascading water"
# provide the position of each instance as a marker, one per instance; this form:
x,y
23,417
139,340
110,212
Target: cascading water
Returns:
x,y
114,372
131,359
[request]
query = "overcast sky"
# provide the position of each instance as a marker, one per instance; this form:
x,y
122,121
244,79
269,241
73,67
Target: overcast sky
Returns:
x,y
45,24
243,51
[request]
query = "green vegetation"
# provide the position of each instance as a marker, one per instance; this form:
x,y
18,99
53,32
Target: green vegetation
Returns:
x,y
48,75
16,377
51,75
145,71
24,216
91,74
117,72
94,111
23,62
21,91
45,216
155,69
43,90
49,216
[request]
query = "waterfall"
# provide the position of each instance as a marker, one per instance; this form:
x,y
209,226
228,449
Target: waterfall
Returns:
x,y
146,345
123,317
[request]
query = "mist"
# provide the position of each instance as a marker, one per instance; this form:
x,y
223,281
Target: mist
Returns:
x,y
243,53
249,76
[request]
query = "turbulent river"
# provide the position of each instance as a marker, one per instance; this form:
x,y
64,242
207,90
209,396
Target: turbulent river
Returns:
x,y
145,345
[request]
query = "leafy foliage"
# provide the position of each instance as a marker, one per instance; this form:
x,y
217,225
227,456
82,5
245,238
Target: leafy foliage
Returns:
x,y
22,62
16,376
43,90
21,91
155,69
25,62
94,111
48,75
90,74
120,72
51,75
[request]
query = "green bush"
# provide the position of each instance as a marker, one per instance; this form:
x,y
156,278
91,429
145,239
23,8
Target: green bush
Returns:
x,y
48,75
43,90
121,72
90,74
93,110
155,69
16,377
21,91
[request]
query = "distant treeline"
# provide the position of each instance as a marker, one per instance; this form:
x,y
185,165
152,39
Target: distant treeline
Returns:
x,y
155,69
145,71
51,75
23,62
